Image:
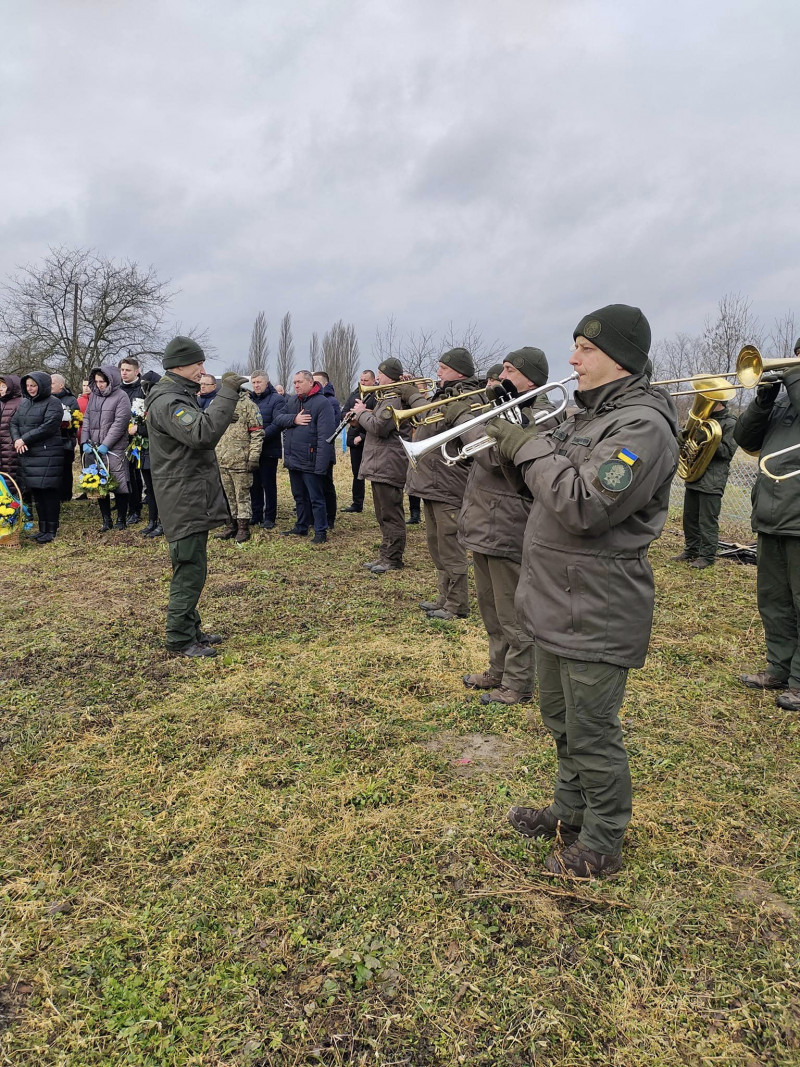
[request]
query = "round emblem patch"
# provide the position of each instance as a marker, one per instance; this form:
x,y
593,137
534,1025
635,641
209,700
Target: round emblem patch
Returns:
x,y
592,328
614,475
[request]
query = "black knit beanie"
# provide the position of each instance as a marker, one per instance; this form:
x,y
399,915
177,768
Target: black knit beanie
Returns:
x,y
182,352
459,360
797,346
392,368
622,332
532,362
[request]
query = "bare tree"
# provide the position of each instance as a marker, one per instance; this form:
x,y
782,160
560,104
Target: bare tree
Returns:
x,y
680,356
483,352
258,355
387,341
341,355
725,336
783,336
78,309
419,354
315,352
285,364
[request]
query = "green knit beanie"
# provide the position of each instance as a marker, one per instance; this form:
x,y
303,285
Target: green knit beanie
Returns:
x,y
797,346
392,368
182,352
622,332
532,362
495,371
459,360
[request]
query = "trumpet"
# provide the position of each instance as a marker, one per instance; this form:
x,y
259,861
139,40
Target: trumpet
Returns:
x,y
508,409
382,392
771,455
431,412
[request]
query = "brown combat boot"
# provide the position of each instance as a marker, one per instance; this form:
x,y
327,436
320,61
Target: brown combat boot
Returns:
x,y
790,700
226,534
541,822
503,695
580,861
481,681
243,533
762,680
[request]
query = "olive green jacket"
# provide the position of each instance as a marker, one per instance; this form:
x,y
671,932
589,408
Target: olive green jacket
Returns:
x,y
433,479
182,459
384,459
769,428
586,588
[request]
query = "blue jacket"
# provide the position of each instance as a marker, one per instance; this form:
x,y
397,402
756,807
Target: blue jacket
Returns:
x,y
305,448
270,403
204,401
330,392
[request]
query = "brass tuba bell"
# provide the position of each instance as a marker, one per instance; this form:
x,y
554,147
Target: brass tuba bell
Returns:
x,y
702,434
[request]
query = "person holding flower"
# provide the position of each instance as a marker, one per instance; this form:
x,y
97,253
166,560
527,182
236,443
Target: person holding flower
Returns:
x,y
36,430
105,431
10,400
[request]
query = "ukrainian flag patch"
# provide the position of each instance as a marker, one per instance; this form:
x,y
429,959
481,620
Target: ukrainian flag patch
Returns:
x,y
627,456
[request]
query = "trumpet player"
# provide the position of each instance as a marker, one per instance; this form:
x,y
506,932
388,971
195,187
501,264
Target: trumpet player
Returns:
x,y
491,525
702,498
600,485
441,489
384,463
771,423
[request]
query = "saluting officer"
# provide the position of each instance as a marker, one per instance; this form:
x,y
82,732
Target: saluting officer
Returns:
x,y
600,486
186,482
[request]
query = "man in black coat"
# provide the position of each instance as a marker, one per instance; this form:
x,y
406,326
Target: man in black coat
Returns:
x,y
264,490
307,423
355,439
132,385
69,436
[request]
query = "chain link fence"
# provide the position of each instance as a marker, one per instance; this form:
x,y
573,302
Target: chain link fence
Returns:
x,y
734,520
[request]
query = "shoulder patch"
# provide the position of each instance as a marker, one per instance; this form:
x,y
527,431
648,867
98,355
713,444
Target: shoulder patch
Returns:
x,y
614,475
184,417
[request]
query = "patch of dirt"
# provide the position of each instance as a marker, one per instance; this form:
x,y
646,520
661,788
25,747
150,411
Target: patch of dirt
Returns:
x,y
471,754
770,903
13,995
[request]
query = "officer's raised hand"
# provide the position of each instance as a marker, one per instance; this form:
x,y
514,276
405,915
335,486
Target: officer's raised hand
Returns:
x,y
233,380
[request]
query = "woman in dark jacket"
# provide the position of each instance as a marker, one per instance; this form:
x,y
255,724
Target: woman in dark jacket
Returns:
x,y
36,430
10,400
105,426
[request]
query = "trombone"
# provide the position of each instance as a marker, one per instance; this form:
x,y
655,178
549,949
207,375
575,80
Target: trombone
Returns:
x,y
508,409
751,370
772,455
382,392
431,412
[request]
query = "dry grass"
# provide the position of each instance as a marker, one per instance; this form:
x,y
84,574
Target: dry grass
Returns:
x,y
278,857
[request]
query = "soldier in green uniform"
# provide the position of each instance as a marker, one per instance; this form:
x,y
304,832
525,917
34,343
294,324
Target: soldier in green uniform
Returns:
x,y
238,455
770,424
600,484
702,499
186,482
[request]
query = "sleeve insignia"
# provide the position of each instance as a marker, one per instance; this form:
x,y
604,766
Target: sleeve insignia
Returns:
x,y
592,329
615,475
184,417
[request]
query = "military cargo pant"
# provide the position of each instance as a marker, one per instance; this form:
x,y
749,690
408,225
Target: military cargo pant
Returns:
x,y
580,704
512,653
189,568
236,486
778,589
701,523
388,502
448,555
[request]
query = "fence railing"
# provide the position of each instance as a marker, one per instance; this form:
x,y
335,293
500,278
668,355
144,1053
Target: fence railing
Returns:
x,y
734,520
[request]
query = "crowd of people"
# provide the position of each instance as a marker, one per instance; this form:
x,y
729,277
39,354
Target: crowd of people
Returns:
x,y
556,510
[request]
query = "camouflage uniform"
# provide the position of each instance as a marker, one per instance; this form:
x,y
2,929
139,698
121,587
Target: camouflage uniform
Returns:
x,y
238,454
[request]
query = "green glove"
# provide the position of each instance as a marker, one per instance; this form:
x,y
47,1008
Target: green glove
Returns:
x,y
454,410
233,380
510,436
408,391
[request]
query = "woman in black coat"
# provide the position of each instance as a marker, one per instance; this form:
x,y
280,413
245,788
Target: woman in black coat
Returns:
x,y
10,400
36,431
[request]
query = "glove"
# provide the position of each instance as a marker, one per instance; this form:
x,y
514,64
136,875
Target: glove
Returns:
x,y
408,391
86,448
510,436
102,449
767,393
454,410
233,380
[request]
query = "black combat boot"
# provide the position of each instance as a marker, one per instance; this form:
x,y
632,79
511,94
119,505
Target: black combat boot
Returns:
x,y
227,533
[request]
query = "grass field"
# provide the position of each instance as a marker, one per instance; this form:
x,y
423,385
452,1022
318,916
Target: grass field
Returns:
x,y
297,853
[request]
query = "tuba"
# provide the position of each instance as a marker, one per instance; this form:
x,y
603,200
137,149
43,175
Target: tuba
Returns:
x,y
702,434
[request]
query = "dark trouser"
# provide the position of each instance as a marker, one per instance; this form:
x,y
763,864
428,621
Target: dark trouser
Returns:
x,y
413,506
778,589
701,523
580,702
189,569
512,653
356,452
48,504
134,488
150,496
264,490
448,555
66,475
388,502
121,500
309,498
329,489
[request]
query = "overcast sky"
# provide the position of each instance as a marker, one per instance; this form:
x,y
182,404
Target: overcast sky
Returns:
x,y
514,163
